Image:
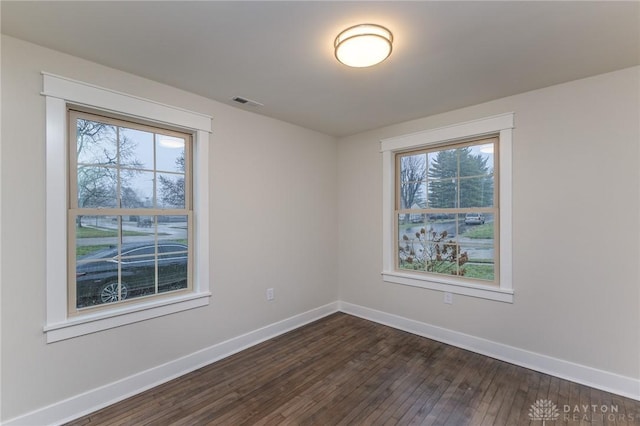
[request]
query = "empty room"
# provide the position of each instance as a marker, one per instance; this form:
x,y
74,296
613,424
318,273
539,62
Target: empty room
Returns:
x,y
320,213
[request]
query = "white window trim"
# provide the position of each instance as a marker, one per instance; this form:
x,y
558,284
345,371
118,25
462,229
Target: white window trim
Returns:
x,y
501,124
59,92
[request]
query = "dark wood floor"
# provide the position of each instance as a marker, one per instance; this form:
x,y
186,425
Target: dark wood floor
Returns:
x,y
343,370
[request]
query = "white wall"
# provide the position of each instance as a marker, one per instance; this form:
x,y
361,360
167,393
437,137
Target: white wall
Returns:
x,y
576,226
576,212
273,189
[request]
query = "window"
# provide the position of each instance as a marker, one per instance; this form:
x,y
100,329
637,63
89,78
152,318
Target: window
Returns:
x,y
129,201
447,209
127,221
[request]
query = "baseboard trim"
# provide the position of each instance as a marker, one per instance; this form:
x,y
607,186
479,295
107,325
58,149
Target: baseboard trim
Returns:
x,y
95,399
599,379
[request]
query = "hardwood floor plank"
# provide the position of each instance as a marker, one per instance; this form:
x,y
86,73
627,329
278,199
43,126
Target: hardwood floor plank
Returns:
x,y
344,370
433,378
478,379
452,395
404,409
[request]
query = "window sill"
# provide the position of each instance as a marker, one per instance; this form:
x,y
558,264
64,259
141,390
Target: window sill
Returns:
x,y
450,285
91,323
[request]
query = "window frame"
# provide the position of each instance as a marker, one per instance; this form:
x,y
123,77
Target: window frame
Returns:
x,y
74,210
457,211
499,125
61,93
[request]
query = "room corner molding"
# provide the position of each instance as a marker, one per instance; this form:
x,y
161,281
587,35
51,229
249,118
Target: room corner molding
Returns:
x,y
588,376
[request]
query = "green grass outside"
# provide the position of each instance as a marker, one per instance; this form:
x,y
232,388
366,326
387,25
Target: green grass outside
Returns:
x,y
84,250
86,232
484,232
482,272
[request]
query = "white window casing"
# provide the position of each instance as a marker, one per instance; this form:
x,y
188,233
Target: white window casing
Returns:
x,y
60,92
501,125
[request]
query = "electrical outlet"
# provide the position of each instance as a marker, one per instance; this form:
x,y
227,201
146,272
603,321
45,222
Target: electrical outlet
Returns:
x,y
448,298
270,294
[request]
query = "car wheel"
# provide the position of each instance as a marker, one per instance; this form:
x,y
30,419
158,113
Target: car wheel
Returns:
x,y
109,293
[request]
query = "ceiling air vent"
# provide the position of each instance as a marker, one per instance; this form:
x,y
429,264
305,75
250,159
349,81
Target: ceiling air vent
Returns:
x,y
245,101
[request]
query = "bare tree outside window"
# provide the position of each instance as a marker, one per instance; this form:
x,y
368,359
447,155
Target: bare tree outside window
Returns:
x,y
104,156
172,190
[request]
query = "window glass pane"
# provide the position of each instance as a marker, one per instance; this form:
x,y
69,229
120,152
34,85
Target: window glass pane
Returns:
x,y
97,265
443,193
137,230
473,162
413,168
173,252
136,225
172,267
97,281
413,195
173,230
440,243
413,172
428,246
96,187
138,252
170,248
480,263
476,191
443,164
136,149
442,224
136,189
95,142
138,255
411,239
170,154
95,236
443,254
139,272
171,191
482,160
477,242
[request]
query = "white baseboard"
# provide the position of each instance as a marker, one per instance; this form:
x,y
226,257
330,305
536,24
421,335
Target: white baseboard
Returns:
x,y
599,379
95,399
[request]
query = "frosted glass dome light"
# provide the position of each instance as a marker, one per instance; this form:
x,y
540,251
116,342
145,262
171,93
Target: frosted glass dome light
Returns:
x,y
363,45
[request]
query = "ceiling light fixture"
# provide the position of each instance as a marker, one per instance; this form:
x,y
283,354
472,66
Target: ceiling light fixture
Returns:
x,y
363,45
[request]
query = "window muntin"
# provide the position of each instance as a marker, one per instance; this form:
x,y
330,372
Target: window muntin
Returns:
x,y
130,194
446,211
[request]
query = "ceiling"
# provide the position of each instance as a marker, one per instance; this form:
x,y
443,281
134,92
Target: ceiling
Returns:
x,y
446,55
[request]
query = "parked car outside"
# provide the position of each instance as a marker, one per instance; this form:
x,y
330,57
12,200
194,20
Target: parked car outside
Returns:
x,y
144,223
97,273
474,219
